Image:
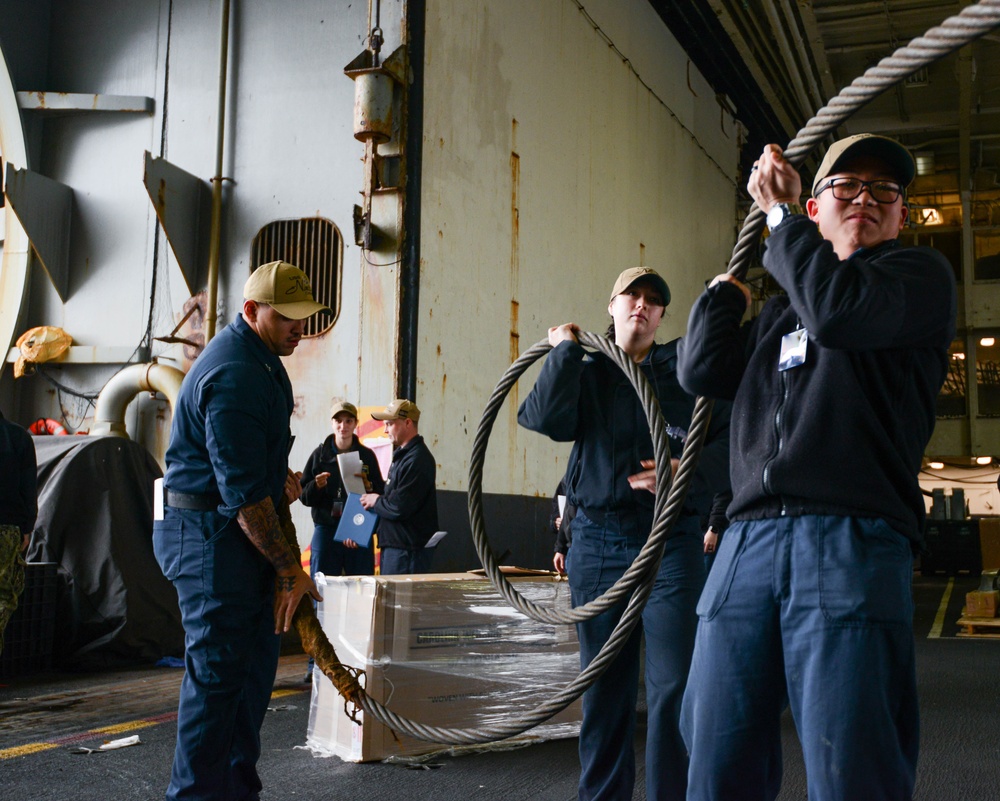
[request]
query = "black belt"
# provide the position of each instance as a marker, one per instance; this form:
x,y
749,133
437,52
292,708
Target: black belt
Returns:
x,y
185,500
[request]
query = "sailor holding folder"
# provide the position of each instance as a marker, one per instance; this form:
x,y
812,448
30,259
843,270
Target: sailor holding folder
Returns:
x,y
323,489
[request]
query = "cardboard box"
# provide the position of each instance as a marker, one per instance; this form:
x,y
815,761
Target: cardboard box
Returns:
x,y
989,542
443,650
981,604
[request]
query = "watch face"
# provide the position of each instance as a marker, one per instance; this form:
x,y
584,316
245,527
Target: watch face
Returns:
x,y
776,215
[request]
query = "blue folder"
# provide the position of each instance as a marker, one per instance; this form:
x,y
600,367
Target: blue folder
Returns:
x,y
356,522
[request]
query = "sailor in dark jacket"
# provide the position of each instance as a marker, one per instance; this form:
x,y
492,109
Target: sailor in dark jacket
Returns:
x,y
408,515
834,387
586,399
18,510
323,490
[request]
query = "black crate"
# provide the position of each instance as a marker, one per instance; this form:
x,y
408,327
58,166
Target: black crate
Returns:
x,y
28,638
951,547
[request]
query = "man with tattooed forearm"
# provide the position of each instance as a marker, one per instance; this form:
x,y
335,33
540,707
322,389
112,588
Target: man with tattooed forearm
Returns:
x,y
219,541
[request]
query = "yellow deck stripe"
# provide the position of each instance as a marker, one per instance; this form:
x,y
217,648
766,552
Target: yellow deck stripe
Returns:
x,y
935,631
131,725
24,750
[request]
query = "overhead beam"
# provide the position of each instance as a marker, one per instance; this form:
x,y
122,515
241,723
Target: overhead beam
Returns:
x,y
930,121
92,354
69,102
853,12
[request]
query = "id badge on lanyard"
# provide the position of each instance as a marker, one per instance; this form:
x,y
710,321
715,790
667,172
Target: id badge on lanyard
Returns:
x,y
793,349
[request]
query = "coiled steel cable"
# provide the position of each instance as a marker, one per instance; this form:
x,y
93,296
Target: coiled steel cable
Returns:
x,y
956,31
648,558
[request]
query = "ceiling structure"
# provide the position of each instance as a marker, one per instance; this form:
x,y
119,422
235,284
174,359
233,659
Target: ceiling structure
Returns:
x,y
776,62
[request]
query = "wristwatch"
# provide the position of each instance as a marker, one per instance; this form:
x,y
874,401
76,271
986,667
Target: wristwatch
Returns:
x,y
780,212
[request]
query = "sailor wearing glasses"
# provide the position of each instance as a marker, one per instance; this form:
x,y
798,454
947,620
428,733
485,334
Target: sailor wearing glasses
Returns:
x,y
834,386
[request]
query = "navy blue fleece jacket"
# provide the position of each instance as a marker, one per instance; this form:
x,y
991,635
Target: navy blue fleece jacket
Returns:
x,y
586,399
845,432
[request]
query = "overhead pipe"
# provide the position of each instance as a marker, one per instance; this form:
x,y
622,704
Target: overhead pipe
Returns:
x,y
806,103
215,239
109,414
792,18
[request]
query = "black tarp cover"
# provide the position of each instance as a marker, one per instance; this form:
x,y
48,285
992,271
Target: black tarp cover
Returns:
x,y
95,519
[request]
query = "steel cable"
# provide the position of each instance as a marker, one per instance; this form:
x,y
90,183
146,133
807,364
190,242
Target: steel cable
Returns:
x,y
956,31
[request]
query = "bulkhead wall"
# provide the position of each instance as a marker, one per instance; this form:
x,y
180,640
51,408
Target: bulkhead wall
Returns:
x,y
561,145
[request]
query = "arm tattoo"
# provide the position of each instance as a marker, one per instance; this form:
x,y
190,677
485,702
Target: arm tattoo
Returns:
x,y
259,522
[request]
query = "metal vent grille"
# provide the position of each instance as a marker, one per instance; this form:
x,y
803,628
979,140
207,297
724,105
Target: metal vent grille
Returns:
x,y
315,246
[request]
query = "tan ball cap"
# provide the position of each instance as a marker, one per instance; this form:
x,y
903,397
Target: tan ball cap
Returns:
x,y
628,277
897,157
285,288
399,409
344,406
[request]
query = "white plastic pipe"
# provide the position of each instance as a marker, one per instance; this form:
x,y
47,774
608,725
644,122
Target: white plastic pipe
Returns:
x,y
109,415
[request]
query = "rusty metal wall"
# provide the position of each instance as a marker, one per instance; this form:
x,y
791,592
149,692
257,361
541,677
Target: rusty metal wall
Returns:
x,y
551,163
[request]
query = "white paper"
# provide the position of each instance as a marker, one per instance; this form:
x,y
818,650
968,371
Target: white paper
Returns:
x,y
438,536
350,472
562,505
124,742
157,499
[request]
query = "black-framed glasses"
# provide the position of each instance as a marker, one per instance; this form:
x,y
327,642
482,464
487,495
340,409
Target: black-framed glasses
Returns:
x,y
850,188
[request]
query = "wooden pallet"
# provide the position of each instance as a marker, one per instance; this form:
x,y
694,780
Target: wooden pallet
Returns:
x,y
982,627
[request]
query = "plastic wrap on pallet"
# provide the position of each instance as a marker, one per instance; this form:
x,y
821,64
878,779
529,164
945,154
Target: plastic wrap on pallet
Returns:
x,y
442,649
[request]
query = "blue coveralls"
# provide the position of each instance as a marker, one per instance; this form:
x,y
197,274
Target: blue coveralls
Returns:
x,y
230,438
601,553
588,400
809,602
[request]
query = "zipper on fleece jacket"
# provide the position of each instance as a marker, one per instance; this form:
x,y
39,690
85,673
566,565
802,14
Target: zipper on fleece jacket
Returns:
x,y
766,475
777,431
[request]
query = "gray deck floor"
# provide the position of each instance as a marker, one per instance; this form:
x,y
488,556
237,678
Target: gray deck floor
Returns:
x,y
42,718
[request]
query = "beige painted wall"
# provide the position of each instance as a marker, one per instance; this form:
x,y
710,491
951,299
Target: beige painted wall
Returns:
x,y
549,165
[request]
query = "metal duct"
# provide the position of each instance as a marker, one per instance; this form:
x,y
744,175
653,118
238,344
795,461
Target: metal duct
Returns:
x,y
109,415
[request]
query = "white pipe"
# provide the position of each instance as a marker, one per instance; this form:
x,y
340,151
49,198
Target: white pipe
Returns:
x,y
109,414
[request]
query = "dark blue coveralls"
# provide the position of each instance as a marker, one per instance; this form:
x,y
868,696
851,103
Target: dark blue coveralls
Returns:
x,y
589,401
229,448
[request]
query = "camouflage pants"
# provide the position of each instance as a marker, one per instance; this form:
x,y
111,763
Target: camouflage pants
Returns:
x,y
11,574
